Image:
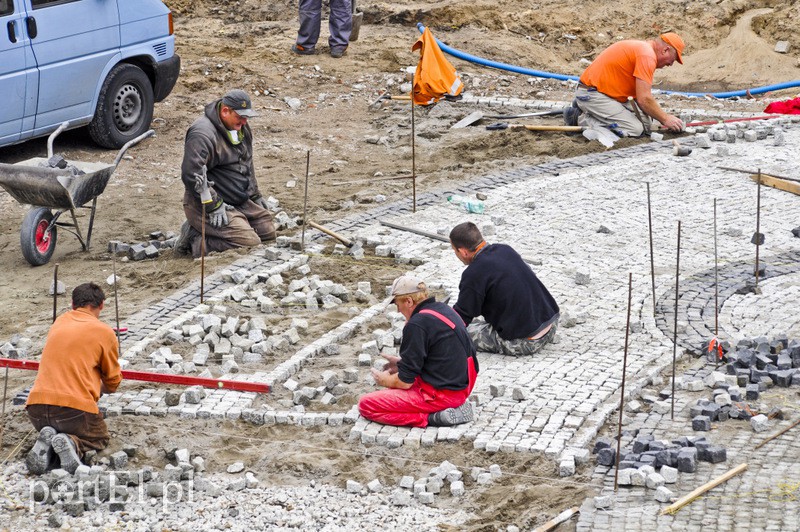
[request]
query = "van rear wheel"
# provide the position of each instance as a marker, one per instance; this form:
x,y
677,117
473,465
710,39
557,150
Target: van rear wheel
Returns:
x,y
124,107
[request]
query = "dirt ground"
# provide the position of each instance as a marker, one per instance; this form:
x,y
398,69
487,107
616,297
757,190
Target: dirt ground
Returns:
x,y
246,44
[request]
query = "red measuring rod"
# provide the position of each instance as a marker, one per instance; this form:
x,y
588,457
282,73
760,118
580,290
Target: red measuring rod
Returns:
x,y
146,376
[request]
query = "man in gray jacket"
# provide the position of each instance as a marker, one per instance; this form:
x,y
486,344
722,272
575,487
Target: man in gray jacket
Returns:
x,y
218,174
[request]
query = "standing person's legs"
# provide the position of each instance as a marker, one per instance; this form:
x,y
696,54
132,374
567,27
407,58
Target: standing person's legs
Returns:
x,y
340,24
308,33
259,219
600,110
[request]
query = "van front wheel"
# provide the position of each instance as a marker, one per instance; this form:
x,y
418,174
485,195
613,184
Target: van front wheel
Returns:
x,y
124,107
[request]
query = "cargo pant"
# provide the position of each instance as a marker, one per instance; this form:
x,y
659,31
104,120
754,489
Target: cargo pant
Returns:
x,y
598,110
248,225
88,431
340,23
486,339
394,406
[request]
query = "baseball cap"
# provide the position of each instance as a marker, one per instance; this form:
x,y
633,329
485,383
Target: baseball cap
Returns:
x,y
239,101
405,285
674,40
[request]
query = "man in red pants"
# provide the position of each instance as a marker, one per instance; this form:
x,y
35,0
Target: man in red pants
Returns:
x,y
428,384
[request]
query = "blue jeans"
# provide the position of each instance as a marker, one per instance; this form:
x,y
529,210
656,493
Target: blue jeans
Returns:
x,y
340,23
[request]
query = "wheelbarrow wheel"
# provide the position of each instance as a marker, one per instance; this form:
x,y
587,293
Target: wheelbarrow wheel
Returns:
x,y
124,107
36,247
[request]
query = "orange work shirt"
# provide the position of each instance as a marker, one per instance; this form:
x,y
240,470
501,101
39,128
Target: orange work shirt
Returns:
x,y
615,70
81,352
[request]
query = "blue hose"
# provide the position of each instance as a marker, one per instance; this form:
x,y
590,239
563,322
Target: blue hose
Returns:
x,y
564,77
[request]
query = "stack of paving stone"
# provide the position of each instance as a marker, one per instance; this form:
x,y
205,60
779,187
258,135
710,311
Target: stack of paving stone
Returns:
x,y
149,249
17,347
227,340
111,485
426,488
759,360
309,292
654,463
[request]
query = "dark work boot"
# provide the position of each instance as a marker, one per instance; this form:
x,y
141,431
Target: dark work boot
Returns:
x,y
451,416
67,453
571,115
41,455
183,245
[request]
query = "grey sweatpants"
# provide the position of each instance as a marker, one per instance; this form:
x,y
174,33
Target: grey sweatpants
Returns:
x,y
340,23
600,110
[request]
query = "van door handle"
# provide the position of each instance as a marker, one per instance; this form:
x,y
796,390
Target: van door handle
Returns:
x,y
12,31
30,23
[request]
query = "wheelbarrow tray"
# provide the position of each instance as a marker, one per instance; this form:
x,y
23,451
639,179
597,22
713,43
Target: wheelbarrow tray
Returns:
x,y
54,188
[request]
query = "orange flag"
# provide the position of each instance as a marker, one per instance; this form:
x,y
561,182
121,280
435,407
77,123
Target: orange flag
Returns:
x,y
435,76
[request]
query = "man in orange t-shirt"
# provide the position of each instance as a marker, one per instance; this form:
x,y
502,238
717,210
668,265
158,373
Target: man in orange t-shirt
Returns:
x,y
623,72
79,363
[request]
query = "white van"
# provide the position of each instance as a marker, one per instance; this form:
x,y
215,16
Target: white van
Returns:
x,y
101,63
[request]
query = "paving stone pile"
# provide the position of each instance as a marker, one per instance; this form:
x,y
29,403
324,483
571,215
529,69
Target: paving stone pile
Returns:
x,y
443,479
18,346
183,495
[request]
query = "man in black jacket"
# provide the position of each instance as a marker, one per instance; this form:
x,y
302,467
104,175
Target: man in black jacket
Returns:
x,y
428,384
218,174
520,314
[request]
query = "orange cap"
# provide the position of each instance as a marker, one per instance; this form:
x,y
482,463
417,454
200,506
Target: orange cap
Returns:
x,y
674,40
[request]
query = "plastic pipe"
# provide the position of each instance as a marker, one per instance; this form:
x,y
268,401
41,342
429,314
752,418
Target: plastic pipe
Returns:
x,y
563,77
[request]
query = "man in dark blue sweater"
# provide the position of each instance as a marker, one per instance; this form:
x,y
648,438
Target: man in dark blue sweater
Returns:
x,y
520,314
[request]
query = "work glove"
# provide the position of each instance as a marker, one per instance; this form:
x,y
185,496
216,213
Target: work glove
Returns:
x,y
260,201
219,217
201,186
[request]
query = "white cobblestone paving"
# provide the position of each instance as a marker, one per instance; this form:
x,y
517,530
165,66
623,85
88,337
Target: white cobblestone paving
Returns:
x,y
551,215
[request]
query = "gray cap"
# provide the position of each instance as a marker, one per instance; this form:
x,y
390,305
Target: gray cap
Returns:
x,y
239,101
406,285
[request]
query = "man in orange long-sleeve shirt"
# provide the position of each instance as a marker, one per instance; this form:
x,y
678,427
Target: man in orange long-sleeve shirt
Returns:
x,y
625,69
79,364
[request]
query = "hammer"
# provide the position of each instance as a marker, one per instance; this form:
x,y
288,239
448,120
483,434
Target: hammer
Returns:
x,y
635,106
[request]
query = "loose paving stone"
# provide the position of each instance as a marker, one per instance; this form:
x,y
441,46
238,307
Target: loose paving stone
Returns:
x,y
664,494
760,423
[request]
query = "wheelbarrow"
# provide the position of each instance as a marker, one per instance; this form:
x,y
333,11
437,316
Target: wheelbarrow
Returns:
x,y
54,191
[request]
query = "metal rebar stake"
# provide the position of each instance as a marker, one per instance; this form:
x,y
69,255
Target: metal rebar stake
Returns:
x,y
413,151
203,251
758,223
716,348
675,321
3,414
55,291
116,297
716,275
622,390
305,204
652,260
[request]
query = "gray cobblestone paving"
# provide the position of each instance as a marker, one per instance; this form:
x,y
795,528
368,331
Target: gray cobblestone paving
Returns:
x,y
764,497
551,214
